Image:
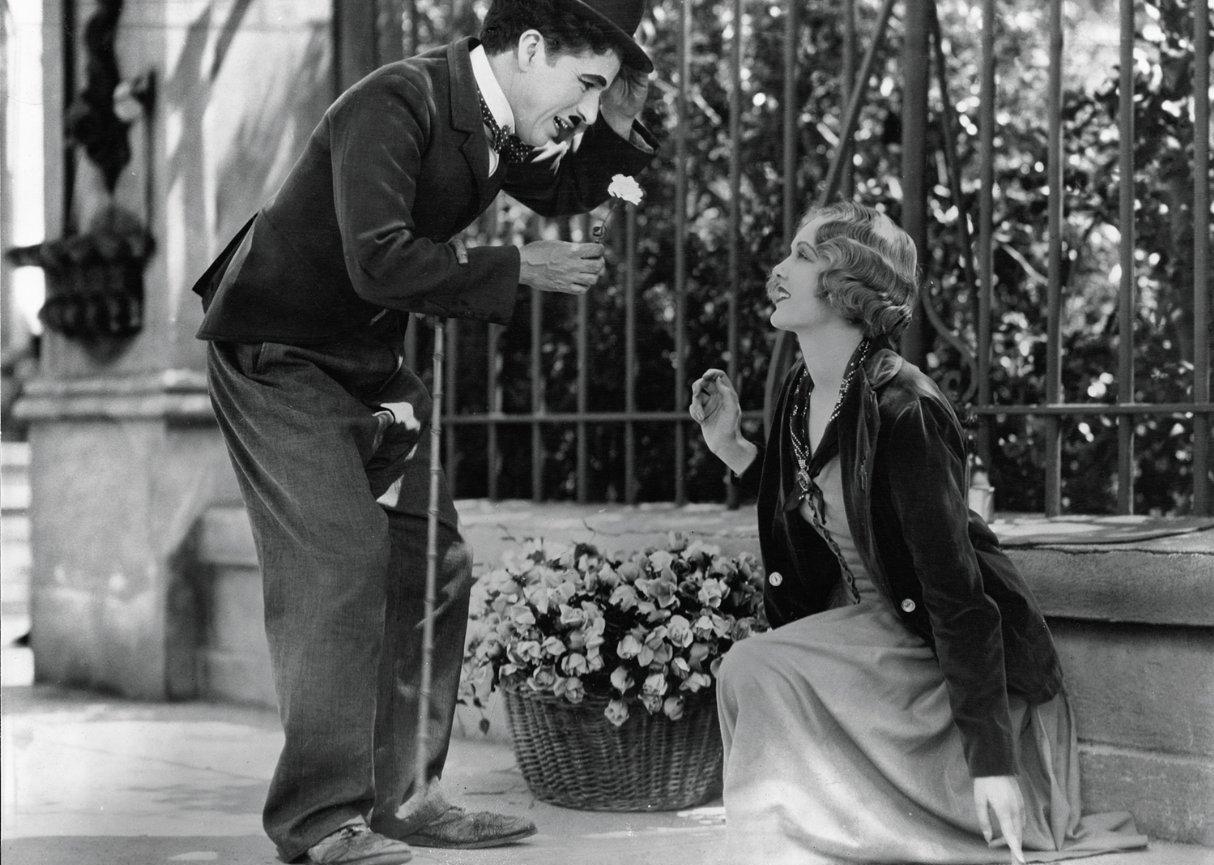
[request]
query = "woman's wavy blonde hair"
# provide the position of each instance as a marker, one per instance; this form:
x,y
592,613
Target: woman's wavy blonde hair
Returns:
x,y
871,274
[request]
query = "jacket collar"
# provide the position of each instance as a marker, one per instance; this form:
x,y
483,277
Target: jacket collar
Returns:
x,y
466,115
465,104
883,363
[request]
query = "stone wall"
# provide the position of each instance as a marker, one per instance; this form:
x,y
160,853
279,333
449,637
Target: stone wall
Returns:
x,y
1130,602
1134,625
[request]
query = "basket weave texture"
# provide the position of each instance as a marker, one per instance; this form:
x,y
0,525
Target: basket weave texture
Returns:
x,y
571,755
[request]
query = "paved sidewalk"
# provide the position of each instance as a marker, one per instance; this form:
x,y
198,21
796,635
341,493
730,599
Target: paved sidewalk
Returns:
x,y
105,781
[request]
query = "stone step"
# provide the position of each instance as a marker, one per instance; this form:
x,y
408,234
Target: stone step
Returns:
x,y
1138,686
1170,796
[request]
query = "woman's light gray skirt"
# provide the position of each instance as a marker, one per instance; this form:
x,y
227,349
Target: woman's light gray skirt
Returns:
x,y
840,747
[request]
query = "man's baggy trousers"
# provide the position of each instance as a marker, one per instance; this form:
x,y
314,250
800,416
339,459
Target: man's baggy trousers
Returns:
x,y
343,577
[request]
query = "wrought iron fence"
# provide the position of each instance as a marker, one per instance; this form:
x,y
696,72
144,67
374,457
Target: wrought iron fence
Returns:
x,y
484,429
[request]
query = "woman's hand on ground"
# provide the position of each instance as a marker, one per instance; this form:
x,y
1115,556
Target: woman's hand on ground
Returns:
x,y
716,408
1000,794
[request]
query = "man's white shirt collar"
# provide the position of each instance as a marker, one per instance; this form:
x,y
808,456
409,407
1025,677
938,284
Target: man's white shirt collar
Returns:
x,y
499,107
495,97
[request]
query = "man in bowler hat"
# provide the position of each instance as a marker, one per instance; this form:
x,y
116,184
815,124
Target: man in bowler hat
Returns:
x,y
305,313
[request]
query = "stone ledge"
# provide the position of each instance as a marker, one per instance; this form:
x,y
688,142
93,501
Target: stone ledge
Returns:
x,y
1107,582
1122,584
169,380
176,394
1136,531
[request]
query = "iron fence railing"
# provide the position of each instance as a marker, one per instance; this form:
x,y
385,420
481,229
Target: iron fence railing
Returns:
x,y
1125,410
921,46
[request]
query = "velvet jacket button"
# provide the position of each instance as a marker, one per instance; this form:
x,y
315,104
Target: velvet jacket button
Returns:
x,y
775,579
908,606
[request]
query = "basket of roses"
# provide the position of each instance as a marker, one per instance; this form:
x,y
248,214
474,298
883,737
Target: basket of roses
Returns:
x,y
608,667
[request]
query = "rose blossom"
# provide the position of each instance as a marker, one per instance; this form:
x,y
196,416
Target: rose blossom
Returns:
x,y
573,690
616,712
624,596
661,589
661,559
574,664
678,631
607,576
522,617
628,571
629,647
695,682
652,703
699,548
527,650
711,593
572,616
621,680
542,679
655,683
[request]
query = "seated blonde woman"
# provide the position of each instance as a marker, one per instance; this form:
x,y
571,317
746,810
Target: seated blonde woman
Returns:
x,y
908,704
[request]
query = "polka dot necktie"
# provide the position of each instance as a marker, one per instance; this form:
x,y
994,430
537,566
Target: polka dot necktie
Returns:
x,y
508,145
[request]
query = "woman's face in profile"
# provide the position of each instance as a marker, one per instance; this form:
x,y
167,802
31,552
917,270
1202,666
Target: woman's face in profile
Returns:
x,y
793,286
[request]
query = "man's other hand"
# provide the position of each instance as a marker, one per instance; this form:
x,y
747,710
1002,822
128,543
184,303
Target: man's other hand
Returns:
x,y
623,101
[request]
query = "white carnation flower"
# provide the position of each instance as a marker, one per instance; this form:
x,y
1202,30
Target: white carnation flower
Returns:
x,y
625,187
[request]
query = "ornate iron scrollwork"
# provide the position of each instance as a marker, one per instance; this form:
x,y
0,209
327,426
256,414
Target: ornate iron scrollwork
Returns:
x,y
94,278
91,122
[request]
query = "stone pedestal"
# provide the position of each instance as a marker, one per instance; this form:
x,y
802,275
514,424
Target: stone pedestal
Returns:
x,y
121,468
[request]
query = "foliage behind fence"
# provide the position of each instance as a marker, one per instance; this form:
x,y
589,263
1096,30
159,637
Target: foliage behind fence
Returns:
x,y
1164,184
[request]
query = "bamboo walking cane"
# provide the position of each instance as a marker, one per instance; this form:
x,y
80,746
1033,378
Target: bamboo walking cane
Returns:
x,y
427,660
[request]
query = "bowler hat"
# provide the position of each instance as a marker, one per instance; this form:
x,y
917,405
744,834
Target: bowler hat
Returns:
x,y
622,17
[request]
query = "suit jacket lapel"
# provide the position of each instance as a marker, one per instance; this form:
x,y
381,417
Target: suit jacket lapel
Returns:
x,y
466,118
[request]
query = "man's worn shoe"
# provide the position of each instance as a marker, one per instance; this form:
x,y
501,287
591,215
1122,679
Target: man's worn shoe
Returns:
x,y
356,844
468,830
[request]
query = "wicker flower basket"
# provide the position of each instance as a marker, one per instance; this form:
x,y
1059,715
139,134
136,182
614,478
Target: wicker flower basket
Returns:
x,y
572,756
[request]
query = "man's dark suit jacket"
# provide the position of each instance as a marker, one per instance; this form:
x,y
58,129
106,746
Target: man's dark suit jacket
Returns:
x,y
364,221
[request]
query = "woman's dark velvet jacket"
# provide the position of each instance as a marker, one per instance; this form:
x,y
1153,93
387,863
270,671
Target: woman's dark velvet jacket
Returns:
x,y
936,563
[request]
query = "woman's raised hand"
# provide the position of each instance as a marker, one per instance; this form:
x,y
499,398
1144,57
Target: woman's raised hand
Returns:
x,y
1000,794
716,408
